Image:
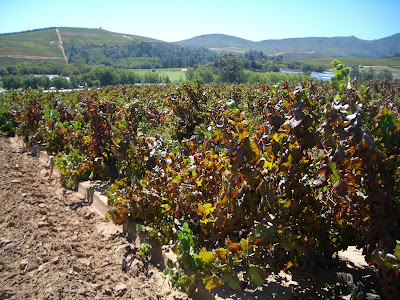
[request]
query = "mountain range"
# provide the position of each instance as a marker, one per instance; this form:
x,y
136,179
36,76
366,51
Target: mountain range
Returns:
x,y
313,47
99,46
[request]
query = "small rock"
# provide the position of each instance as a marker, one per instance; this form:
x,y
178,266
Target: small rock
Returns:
x,y
97,286
15,181
85,261
76,269
44,173
88,215
4,242
107,290
83,292
6,293
42,205
41,224
22,264
121,289
55,260
41,267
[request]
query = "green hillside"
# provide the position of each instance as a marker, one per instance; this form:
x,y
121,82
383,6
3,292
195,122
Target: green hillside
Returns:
x,y
43,43
99,37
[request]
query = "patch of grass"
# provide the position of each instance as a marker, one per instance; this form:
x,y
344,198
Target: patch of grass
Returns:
x,y
175,75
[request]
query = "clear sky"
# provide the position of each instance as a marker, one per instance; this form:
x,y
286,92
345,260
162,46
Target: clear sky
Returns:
x,y
175,20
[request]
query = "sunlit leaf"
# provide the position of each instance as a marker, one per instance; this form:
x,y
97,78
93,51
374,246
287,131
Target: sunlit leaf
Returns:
x,y
243,244
243,135
289,265
234,247
335,175
254,147
206,256
205,209
221,253
212,282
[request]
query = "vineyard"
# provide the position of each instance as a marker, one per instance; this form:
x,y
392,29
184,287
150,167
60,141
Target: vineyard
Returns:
x,y
239,180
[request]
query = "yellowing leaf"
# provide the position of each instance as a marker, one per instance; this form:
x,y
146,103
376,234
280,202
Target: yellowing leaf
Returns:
x,y
205,209
243,135
335,175
234,247
177,178
289,265
276,137
254,147
212,282
199,182
243,244
287,204
221,253
206,256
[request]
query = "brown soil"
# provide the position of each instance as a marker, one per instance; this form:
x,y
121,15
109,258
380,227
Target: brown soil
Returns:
x,y
53,247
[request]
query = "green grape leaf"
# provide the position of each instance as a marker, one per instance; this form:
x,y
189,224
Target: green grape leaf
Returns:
x,y
232,281
335,175
256,275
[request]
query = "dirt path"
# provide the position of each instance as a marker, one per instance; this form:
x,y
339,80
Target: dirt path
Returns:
x,y
53,247
128,37
60,44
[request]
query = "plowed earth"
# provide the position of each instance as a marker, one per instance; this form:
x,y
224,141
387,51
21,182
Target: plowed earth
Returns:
x,y
53,247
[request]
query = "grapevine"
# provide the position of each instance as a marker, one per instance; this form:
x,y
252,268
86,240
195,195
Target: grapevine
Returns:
x,y
240,180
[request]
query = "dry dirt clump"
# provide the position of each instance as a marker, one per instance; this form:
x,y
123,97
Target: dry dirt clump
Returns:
x,y
54,247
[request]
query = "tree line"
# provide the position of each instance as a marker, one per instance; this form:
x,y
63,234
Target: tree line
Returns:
x,y
138,55
251,67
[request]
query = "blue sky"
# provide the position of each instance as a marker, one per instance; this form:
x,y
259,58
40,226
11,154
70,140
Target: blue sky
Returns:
x,y
176,20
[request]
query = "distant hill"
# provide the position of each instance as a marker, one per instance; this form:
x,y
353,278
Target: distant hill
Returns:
x,y
96,46
311,47
44,43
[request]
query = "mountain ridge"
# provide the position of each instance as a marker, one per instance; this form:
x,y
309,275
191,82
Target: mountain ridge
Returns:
x,y
100,46
339,46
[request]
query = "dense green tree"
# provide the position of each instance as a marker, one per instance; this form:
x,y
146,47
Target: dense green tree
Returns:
x,y
60,82
385,75
229,68
3,71
12,82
